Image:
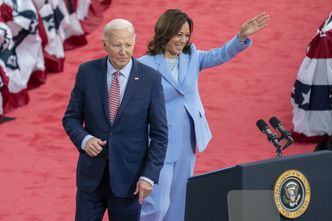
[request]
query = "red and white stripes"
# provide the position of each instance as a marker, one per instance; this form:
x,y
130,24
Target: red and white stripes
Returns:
x,y
114,97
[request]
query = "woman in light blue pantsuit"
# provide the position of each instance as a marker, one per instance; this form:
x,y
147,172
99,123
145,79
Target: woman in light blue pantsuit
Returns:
x,y
179,62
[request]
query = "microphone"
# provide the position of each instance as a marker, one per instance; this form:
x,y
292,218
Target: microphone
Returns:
x,y
285,134
266,130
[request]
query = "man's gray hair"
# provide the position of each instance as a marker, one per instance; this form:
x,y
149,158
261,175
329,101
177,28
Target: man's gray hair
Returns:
x,y
117,24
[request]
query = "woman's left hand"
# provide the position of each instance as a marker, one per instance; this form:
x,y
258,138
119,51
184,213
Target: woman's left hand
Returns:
x,y
253,25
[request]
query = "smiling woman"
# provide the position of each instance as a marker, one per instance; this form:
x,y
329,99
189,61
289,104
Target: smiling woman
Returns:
x,y
172,28
177,43
179,62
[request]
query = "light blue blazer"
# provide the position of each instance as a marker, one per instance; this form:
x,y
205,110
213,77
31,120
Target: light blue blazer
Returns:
x,y
184,95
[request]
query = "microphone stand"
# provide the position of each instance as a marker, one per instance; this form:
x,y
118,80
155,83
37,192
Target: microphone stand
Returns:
x,y
288,144
278,150
278,146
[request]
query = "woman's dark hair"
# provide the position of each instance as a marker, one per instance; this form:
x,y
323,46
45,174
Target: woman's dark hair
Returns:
x,y
167,26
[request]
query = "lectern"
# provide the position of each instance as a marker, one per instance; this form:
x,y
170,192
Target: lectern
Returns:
x,y
295,188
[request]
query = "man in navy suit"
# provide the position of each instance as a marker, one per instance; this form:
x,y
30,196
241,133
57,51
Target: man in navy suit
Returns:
x,y
121,144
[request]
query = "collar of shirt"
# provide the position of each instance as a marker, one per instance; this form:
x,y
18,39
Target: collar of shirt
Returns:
x,y
123,77
125,71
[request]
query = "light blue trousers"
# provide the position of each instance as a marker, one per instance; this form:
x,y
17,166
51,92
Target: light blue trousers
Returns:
x,y
167,200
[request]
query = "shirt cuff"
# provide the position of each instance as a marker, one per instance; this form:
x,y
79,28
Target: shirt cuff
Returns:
x,y
147,180
86,138
246,42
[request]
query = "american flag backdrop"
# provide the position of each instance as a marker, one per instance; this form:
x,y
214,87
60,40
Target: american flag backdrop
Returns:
x,y
33,37
312,92
5,43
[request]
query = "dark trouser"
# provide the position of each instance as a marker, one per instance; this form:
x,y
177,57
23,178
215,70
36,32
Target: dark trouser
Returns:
x,y
91,206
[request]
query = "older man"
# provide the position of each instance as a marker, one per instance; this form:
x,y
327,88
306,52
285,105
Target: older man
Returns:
x,y
116,106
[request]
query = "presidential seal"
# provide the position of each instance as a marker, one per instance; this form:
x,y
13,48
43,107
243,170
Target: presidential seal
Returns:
x,y
292,194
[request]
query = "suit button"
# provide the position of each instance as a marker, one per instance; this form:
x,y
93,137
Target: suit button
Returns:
x,y
110,134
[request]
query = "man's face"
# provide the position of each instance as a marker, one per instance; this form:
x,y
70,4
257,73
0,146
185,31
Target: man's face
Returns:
x,y
120,46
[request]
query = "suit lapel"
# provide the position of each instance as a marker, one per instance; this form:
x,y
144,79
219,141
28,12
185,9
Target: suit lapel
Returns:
x,y
163,69
183,67
133,81
103,91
